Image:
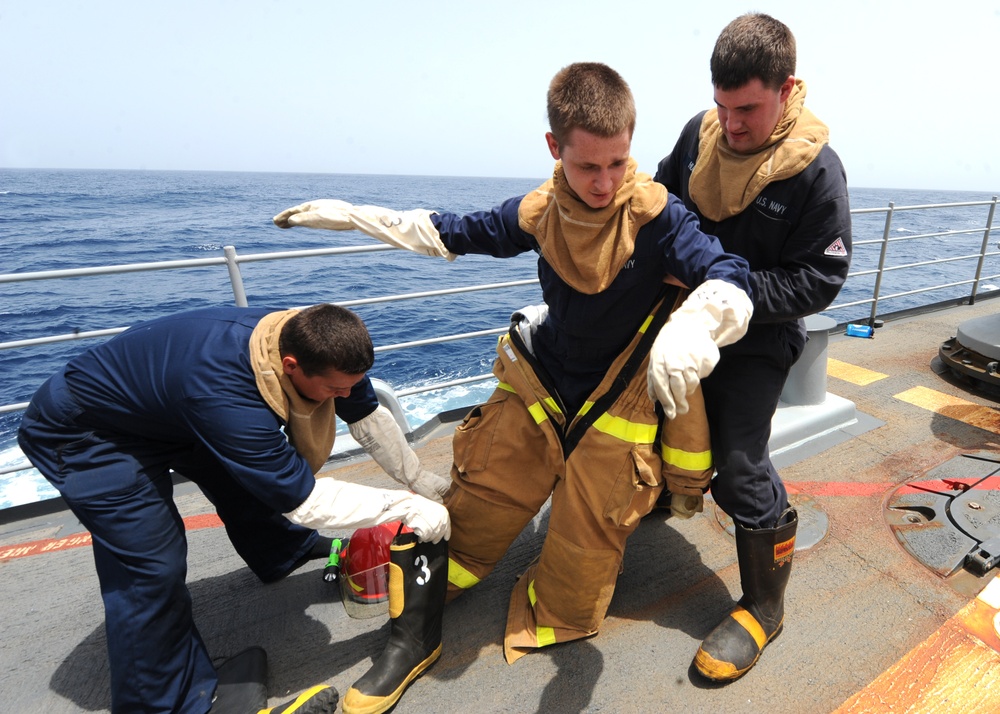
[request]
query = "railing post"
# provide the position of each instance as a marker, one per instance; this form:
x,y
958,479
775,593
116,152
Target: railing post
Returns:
x,y
387,398
881,264
235,276
982,251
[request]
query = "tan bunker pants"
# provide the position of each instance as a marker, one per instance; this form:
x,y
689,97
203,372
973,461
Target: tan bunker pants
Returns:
x,y
510,456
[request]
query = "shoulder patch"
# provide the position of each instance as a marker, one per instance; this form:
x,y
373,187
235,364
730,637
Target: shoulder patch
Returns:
x,y
836,248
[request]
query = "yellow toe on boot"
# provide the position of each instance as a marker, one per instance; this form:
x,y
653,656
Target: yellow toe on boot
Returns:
x,y
357,702
733,647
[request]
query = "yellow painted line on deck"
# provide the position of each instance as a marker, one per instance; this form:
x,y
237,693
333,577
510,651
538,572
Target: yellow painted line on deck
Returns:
x,y
952,407
851,373
956,669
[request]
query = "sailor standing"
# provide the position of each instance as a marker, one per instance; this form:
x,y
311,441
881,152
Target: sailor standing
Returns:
x,y
759,172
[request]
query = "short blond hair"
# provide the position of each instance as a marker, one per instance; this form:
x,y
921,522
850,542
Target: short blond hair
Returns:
x,y
590,96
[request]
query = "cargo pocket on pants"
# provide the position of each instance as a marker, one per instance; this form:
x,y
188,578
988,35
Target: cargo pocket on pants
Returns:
x,y
474,436
635,489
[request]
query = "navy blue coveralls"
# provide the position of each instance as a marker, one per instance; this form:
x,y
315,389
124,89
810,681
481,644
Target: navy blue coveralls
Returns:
x,y
174,393
583,334
796,236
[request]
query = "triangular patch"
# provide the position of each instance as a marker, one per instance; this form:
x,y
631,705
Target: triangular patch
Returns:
x,y
836,248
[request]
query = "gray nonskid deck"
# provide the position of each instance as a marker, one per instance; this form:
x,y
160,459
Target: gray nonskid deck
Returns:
x,y
856,602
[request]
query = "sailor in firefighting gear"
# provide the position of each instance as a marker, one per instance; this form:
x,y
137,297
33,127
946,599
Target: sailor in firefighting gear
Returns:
x,y
574,417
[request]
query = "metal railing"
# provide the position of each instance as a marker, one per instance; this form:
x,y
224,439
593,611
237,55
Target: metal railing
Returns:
x,y
232,261
887,239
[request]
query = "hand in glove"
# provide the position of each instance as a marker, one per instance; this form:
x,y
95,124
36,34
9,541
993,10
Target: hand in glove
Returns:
x,y
338,504
428,519
429,485
684,506
686,349
682,354
412,230
380,436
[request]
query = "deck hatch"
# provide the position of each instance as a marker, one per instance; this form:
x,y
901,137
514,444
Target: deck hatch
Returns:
x,y
949,518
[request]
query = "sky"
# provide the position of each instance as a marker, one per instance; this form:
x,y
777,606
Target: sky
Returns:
x,y
457,88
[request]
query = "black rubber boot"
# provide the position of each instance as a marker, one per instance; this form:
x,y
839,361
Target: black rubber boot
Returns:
x,y
418,581
765,556
321,699
242,684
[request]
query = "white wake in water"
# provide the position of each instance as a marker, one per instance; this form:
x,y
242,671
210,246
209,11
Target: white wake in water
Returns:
x,y
29,486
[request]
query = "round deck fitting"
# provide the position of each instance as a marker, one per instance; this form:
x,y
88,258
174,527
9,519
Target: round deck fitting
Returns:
x,y
813,521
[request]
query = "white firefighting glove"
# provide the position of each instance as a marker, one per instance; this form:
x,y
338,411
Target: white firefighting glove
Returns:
x,y
528,319
342,505
412,230
684,506
686,349
380,436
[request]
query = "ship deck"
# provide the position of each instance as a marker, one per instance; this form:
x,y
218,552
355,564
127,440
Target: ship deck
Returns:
x,y
867,627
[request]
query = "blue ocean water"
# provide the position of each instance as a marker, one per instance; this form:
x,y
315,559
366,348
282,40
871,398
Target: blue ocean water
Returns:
x,y
55,219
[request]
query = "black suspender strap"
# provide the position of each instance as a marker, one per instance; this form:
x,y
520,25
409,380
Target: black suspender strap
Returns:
x,y
625,375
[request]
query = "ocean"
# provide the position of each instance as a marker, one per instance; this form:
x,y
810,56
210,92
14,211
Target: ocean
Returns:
x,y
56,219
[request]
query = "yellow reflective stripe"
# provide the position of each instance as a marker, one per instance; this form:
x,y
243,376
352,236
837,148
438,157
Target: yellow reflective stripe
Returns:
x,y
646,323
537,413
553,406
299,700
544,635
750,624
397,597
630,431
687,460
585,408
459,576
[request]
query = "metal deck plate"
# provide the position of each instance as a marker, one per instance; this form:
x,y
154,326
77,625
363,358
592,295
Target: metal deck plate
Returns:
x,y
813,521
945,517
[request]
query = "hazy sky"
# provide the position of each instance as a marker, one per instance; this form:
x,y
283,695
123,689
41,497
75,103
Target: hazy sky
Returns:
x,y
458,88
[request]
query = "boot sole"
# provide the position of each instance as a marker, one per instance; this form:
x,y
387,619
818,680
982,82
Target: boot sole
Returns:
x,y
385,703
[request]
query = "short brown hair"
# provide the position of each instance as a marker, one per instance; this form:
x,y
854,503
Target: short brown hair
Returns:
x,y
753,46
590,96
326,336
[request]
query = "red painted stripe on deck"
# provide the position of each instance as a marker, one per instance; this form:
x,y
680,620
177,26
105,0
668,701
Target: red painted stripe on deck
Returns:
x,y
851,488
847,488
78,540
835,489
